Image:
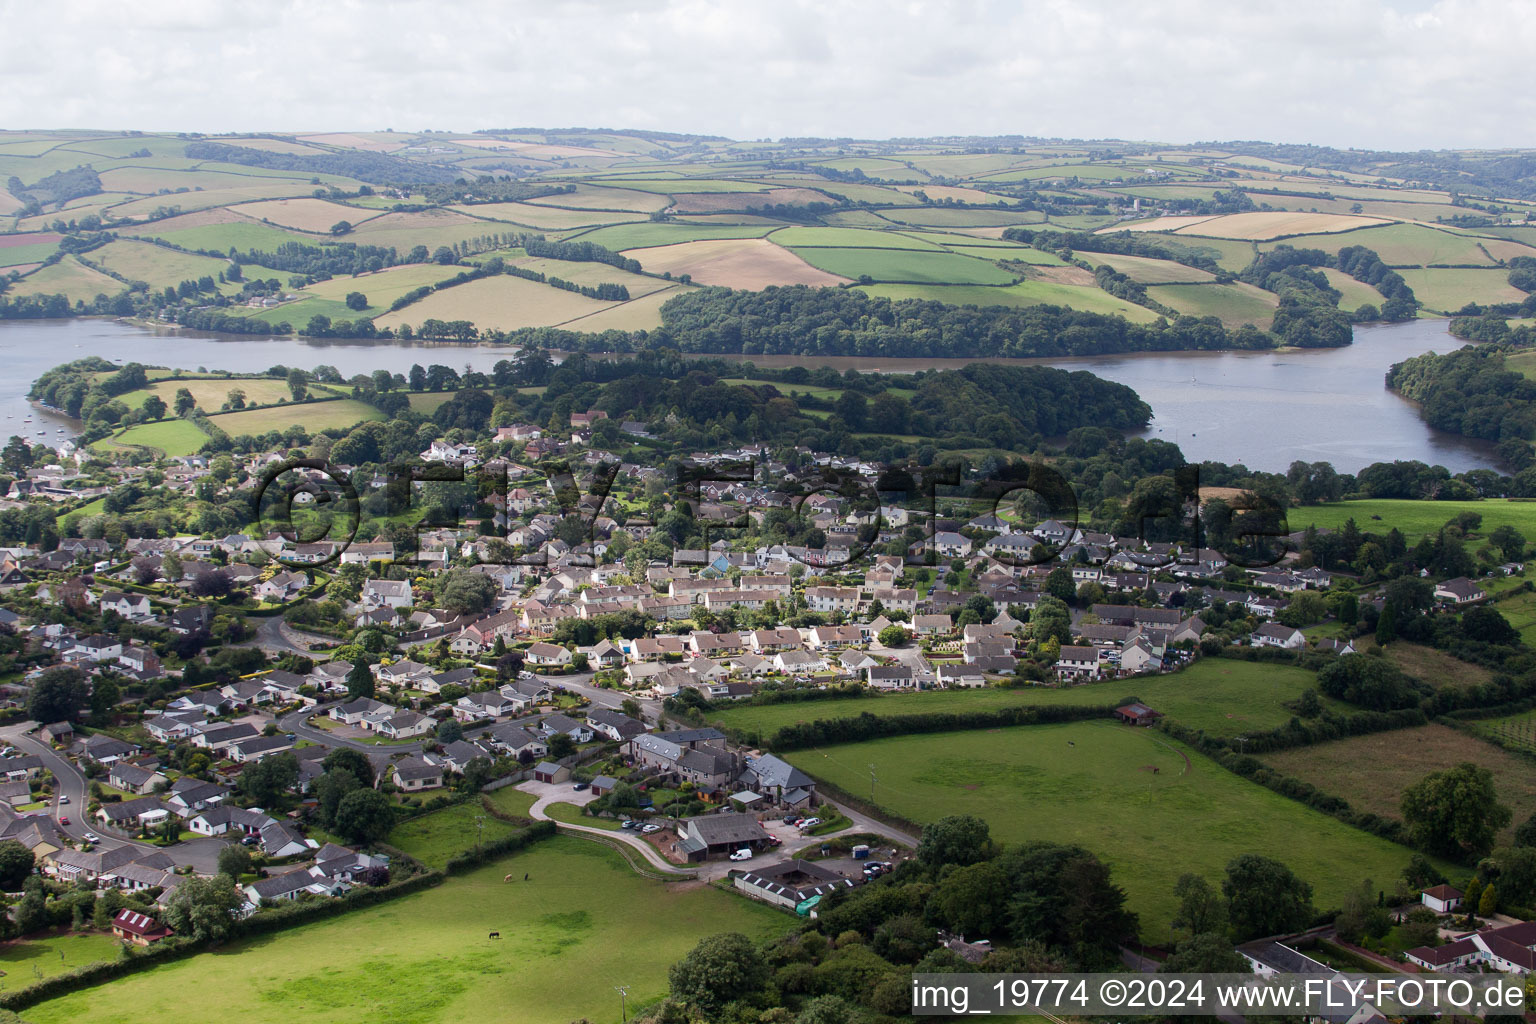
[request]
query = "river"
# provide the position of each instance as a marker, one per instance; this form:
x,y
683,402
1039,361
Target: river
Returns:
x,y
1263,409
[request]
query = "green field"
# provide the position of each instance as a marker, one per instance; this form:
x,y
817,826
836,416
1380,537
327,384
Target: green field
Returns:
x,y
211,393
1150,271
1354,294
1383,765
27,960
571,814
1414,518
1446,290
1233,304
158,266
849,238
643,236
435,838
1025,293
583,923
312,416
172,436
1093,783
68,277
1224,697
1401,245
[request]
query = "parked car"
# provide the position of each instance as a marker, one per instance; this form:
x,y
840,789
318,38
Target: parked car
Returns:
x,y
579,786
775,841
742,854
250,840
631,823
809,823
648,829
791,819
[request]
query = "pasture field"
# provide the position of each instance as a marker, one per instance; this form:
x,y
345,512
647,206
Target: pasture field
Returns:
x,y
158,266
436,838
592,274
241,233
1431,666
68,277
646,236
1414,518
297,314
1404,245
21,255
849,238
1222,696
1354,293
1025,293
1173,809
1233,304
503,302
752,199
752,263
312,215
949,217
1150,271
382,287
906,267
1446,290
1521,362
427,402
173,437
1382,765
312,416
581,924
1519,608
27,960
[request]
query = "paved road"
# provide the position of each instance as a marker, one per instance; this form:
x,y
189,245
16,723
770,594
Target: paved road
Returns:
x,y
296,722
272,637
201,854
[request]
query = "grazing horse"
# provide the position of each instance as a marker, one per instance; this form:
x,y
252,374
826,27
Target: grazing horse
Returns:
x,y
495,935
508,878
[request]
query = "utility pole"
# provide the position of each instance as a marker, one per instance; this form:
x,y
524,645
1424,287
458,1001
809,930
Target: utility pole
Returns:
x,y
872,781
480,830
623,991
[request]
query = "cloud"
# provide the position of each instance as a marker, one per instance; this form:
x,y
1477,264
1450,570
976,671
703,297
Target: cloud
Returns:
x,y
1368,73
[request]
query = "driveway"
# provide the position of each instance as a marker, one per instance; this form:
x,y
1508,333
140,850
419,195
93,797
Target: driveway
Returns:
x,y
297,722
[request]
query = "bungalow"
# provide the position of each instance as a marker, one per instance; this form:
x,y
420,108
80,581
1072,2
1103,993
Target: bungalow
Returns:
x,y
554,725
404,725
1459,591
931,625
515,741
352,712
393,594
289,887
401,673
283,840
613,725
216,821
475,707
130,778
798,663
415,773
217,736
282,587
548,654
258,747
1273,634
960,676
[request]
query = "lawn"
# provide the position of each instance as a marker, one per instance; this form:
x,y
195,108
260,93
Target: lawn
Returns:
x,y
435,838
1223,696
172,437
511,800
27,960
1129,795
312,416
906,266
582,924
1382,765
571,815
1233,304
1414,518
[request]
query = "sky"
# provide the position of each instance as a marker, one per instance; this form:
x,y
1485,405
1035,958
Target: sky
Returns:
x,y
1379,74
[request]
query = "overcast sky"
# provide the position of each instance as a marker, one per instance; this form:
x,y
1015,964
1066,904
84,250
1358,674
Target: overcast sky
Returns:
x,y
1386,74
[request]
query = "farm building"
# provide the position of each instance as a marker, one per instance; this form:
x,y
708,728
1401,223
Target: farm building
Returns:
x,y
1442,899
1137,714
790,883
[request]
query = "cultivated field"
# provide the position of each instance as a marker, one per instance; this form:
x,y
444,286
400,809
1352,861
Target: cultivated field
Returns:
x,y
545,217
752,263
1446,290
1263,225
382,287
1025,293
1146,271
158,266
502,302
1150,807
638,314
312,215
1379,767
68,277
211,393
582,924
